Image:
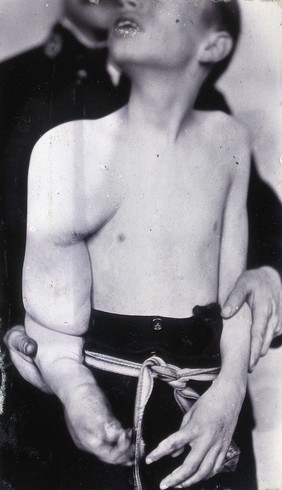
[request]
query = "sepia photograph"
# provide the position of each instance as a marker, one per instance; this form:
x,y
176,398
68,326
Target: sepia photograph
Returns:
x,y
140,245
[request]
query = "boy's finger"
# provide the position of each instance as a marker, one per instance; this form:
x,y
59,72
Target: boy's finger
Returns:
x,y
187,470
17,340
27,346
167,447
204,472
124,441
177,453
113,431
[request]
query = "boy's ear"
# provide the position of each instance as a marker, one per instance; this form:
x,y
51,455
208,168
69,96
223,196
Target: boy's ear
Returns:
x,y
216,47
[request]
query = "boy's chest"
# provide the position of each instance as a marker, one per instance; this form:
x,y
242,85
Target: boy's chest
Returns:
x,y
170,198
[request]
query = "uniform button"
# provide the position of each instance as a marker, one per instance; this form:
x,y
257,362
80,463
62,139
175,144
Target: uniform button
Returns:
x,y
54,45
82,74
157,324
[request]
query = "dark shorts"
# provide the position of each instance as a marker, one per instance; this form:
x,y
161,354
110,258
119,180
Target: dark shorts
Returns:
x,y
190,342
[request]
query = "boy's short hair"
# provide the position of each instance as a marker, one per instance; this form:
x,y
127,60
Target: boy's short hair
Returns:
x,y
226,16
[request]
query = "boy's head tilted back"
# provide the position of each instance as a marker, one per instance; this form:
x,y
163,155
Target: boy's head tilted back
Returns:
x,y
176,35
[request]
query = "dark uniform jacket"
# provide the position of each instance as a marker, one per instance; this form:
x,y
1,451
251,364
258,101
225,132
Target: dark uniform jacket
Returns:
x,y
58,82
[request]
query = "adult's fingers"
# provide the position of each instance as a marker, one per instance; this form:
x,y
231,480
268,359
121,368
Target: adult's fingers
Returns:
x,y
261,313
236,298
270,333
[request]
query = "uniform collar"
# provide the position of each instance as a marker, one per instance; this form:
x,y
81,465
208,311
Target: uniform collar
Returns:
x,y
81,38
62,41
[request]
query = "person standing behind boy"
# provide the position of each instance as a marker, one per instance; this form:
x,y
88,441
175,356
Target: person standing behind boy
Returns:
x,y
132,231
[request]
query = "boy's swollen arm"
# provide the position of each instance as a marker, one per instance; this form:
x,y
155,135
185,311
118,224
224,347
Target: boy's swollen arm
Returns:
x,y
56,292
57,274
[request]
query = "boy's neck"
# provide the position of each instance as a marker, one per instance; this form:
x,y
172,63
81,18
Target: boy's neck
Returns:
x,y
162,102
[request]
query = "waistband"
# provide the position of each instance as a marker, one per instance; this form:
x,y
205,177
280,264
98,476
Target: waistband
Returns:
x,y
186,342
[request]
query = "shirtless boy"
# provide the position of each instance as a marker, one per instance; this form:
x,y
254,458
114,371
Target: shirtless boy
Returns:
x,y
134,215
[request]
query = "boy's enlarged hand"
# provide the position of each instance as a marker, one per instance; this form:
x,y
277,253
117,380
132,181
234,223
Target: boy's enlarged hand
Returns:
x,y
94,429
208,429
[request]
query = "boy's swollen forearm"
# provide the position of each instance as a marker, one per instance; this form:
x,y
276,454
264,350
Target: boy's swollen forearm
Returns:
x,y
235,348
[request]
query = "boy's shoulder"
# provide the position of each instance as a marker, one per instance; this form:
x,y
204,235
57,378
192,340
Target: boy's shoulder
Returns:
x,y
77,142
73,133
226,145
69,164
227,138
227,128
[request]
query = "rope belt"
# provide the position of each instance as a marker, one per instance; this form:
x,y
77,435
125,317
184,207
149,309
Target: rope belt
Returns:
x,y
3,382
177,378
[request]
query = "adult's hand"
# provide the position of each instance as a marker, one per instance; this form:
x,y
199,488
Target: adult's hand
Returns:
x,y
22,351
262,289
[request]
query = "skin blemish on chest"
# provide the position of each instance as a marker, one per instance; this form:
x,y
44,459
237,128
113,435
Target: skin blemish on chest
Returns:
x,y
215,226
121,237
237,163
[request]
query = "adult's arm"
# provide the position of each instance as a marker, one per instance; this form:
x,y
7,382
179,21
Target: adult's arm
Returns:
x,y
261,288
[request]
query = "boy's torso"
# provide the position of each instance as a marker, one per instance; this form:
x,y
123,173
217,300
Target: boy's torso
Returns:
x,y
161,208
